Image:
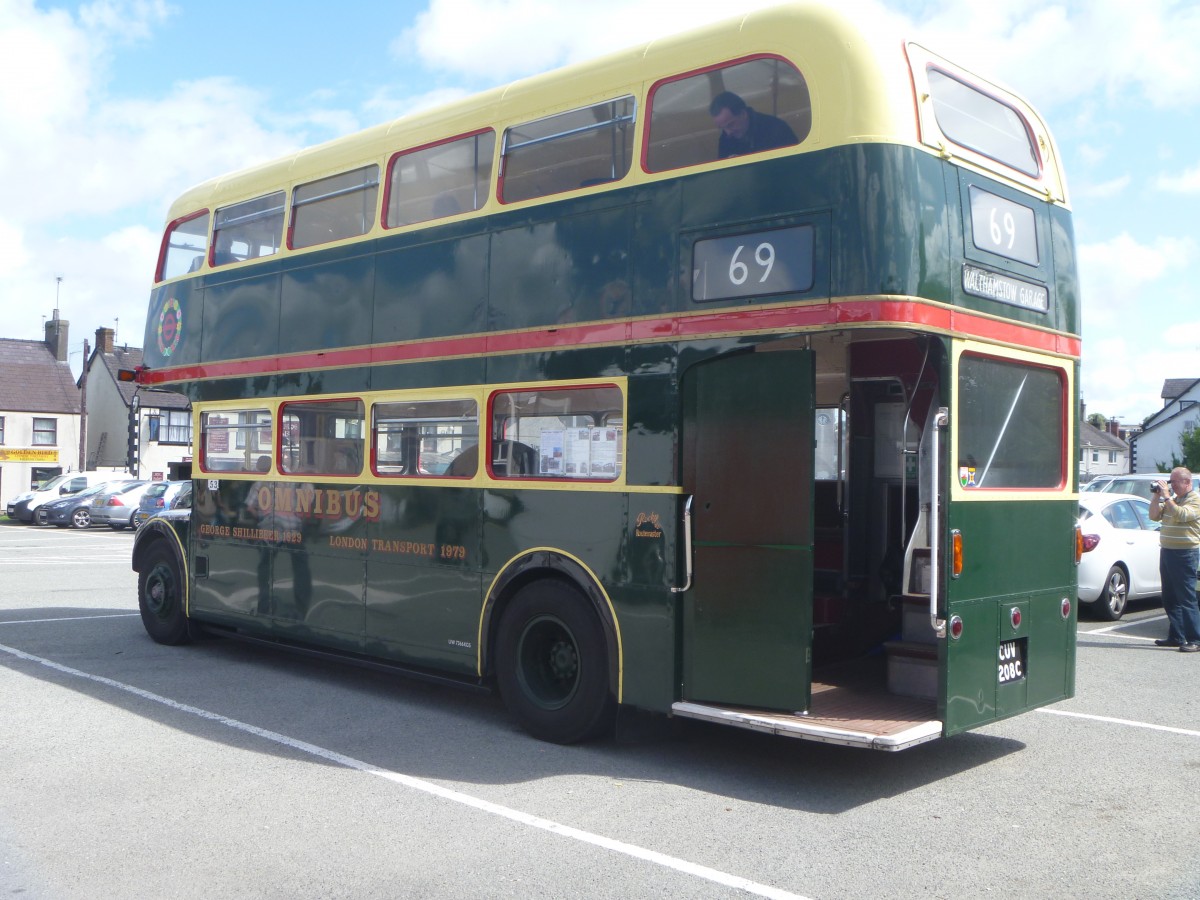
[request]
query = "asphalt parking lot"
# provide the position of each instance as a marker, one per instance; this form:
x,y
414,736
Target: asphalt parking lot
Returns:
x,y
219,769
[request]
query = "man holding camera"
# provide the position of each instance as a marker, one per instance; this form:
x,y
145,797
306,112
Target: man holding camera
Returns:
x,y
1179,549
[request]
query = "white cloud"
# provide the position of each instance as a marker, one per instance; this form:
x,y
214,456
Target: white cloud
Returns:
x,y
1104,190
1186,182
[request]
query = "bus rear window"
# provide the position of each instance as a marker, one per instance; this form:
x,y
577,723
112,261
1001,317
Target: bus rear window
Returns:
x,y
763,104
184,246
571,150
439,181
322,437
248,230
341,206
1010,425
573,433
980,122
426,438
236,441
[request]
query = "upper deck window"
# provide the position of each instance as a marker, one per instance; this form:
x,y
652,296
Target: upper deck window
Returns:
x,y
333,208
439,181
571,150
734,110
982,123
248,230
184,246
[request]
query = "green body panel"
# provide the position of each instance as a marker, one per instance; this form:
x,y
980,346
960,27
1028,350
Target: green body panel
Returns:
x,y
1025,548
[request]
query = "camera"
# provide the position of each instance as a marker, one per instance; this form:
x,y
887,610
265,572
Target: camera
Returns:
x,y
1155,488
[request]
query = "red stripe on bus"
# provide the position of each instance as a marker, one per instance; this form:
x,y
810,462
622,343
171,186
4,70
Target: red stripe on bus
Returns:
x,y
920,315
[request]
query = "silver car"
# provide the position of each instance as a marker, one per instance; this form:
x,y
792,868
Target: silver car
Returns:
x,y
115,507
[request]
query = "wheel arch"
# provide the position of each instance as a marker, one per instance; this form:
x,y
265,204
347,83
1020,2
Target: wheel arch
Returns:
x,y
154,534
541,563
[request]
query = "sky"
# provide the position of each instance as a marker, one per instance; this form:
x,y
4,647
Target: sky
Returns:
x,y
110,109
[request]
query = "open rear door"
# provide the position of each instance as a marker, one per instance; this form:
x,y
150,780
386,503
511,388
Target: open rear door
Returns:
x,y
748,462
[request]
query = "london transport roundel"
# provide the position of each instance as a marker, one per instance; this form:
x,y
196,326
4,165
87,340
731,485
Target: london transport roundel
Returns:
x,y
170,327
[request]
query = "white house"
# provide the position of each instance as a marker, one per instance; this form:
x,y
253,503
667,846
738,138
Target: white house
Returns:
x,y
39,411
1154,448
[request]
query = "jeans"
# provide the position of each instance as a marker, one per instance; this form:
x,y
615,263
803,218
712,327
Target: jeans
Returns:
x,y
1178,571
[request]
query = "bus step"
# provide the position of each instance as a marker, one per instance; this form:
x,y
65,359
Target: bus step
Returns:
x,y
912,669
891,723
915,626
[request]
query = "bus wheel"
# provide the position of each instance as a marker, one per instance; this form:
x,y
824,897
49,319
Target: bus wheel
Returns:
x,y
160,597
1111,605
552,664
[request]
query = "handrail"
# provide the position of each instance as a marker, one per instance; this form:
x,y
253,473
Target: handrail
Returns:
x,y
939,625
687,546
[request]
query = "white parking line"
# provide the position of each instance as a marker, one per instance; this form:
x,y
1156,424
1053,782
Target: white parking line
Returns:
x,y
1130,722
1113,630
428,787
69,619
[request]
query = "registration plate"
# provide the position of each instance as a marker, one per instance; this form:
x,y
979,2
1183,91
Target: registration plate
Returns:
x,y
1012,665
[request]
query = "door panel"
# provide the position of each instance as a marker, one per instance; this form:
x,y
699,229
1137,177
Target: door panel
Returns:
x,y
748,461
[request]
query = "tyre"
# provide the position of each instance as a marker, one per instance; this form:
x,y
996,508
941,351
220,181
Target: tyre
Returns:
x,y
552,664
41,517
160,597
1111,604
81,518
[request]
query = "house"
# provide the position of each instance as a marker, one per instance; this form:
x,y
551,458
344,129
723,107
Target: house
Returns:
x,y
1101,451
1154,448
119,411
39,411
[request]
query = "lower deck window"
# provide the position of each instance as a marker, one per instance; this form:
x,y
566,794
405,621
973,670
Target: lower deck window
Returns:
x,y
426,438
1011,430
572,433
236,440
321,437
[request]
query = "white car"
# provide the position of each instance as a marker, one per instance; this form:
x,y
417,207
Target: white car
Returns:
x,y
1120,552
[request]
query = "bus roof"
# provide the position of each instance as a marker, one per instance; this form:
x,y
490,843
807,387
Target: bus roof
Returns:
x,y
865,87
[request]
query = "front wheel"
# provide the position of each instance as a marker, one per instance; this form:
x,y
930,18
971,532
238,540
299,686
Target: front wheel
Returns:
x,y
81,518
552,664
160,597
1111,604
41,517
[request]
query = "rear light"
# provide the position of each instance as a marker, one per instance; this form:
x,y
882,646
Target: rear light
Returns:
x,y
956,627
115,501
158,503
956,553
1090,542
1066,607
1014,616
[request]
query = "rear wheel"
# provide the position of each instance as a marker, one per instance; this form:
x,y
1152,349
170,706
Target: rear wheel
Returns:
x,y
160,597
552,664
1111,604
81,518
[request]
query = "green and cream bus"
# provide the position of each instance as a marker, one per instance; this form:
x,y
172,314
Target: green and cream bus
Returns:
x,y
555,390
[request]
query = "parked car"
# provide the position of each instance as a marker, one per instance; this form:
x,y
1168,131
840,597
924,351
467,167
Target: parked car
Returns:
x,y
115,508
1138,483
1120,552
163,495
55,489
75,510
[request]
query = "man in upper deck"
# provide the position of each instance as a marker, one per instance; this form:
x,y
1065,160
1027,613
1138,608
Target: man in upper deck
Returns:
x,y
744,130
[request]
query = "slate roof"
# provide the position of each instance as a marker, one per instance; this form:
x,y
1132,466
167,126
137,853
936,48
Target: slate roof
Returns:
x,y
1173,387
1091,436
32,380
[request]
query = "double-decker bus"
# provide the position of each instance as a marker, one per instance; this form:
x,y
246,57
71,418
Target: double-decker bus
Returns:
x,y
731,377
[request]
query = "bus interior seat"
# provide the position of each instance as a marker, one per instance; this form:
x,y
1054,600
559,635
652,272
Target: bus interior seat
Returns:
x,y
522,456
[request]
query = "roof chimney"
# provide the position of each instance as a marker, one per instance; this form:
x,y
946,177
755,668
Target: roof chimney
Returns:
x,y
1114,427
104,340
56,337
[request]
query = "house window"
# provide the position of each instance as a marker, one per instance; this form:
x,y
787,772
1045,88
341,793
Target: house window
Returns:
x,y
45,432
1095,456
1112,456
176,426
1,431
153,422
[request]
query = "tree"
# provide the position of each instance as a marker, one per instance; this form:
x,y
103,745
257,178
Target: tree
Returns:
x,y
1098,421
1189,443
